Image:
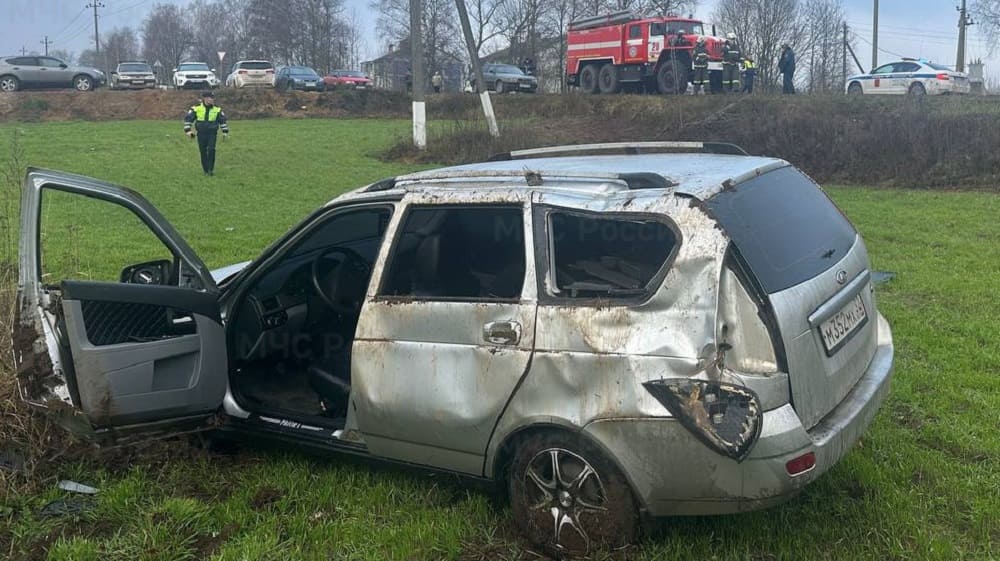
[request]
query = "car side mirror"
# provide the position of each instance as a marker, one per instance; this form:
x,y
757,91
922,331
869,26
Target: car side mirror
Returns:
x,y
151,272
63,65
174,70
114,72
213,70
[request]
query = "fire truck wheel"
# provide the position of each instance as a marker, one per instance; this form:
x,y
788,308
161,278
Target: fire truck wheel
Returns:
x,y
669,81
588,79
607,79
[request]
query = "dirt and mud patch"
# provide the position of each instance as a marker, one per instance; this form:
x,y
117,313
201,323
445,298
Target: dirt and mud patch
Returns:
x,y
265,497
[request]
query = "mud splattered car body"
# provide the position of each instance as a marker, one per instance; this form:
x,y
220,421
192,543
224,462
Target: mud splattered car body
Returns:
x,y
607,335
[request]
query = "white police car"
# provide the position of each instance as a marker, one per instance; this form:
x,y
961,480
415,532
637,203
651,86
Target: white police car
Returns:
x,y
909,76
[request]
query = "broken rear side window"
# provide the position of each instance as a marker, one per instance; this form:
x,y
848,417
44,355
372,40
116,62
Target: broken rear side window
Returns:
x,y
606,257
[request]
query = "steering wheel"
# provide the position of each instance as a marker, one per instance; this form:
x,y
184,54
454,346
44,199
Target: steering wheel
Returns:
x,y
331,285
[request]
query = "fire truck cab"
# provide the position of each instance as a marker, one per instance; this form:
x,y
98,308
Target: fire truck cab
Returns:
x,y
607,52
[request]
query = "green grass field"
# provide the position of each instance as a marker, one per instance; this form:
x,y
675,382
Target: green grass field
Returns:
x,y
923,484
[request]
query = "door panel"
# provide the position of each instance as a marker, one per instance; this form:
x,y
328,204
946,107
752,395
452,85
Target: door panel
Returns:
x,y
430,374
120,353
140,361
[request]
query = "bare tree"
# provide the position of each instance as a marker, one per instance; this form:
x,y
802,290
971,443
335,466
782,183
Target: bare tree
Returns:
x,y
821,50
555,21
987,13
166,35
208,24
119,45
442,38
762,26
485,23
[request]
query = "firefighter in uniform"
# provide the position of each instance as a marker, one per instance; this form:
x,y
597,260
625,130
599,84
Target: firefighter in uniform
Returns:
x,y
731,58
206,118
700,65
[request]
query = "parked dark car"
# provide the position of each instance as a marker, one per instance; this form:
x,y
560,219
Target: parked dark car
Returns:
x,y
298,78
23,72
503,78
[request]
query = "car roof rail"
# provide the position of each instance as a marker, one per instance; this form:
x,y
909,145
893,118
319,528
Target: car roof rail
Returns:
x,y
630,148
532,178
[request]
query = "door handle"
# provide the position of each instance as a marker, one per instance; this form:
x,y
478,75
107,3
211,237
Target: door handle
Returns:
x,y
502,332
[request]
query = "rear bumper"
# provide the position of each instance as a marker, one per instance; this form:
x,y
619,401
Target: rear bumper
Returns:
x,y
672,473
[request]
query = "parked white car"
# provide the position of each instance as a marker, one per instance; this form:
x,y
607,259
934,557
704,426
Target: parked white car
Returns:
x,y
247,73
195,75
911,76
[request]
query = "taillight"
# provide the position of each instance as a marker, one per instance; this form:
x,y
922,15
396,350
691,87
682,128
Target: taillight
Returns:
x,y
725,417
801,464
242,72
269,71
943,76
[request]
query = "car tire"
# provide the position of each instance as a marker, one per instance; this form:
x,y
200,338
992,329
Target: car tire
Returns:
x,y
607,79
855,89
498,88
9,84
917,90
568,498
588,79
83,83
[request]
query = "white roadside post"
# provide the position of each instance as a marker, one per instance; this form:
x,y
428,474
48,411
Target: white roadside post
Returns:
x,y
477,68
417,77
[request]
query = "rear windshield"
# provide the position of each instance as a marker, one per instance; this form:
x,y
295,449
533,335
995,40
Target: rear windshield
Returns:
x,y
786,228
937,66
256,65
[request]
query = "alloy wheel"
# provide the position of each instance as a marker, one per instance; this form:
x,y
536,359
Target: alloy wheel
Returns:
x,y
566,496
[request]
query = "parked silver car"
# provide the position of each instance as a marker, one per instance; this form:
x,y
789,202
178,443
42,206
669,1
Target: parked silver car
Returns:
x,y
133,75
25,72
606,336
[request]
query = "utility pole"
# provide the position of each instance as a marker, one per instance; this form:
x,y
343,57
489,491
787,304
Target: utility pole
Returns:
x,y
875,37
46,42
23,50
97,38
963,22
477,69
417,77
843,58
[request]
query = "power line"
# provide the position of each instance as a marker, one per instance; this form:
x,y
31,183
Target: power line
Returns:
x,y
880,49
71,22
136,5
79,30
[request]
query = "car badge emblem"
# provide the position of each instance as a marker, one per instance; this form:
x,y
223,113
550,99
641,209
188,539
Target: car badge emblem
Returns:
x,y
841,276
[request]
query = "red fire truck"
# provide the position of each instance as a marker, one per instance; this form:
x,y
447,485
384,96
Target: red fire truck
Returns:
x,y
606,52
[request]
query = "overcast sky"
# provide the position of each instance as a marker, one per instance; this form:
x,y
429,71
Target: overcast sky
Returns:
x,y
918,28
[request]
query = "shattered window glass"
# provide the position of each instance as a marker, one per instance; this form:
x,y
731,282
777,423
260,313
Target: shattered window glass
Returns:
x,y
606,256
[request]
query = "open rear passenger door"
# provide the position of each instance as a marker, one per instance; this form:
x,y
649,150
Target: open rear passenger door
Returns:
x,y
146,352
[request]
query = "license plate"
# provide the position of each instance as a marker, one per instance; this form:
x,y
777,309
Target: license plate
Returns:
x,y
311,84
839,328
526,86
138,82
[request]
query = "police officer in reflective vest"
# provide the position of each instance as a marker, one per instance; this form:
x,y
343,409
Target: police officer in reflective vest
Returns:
x,y
206,118
700,65
731,59
749,73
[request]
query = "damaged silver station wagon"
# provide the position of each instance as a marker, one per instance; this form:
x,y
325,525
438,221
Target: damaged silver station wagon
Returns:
x,y
611,332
